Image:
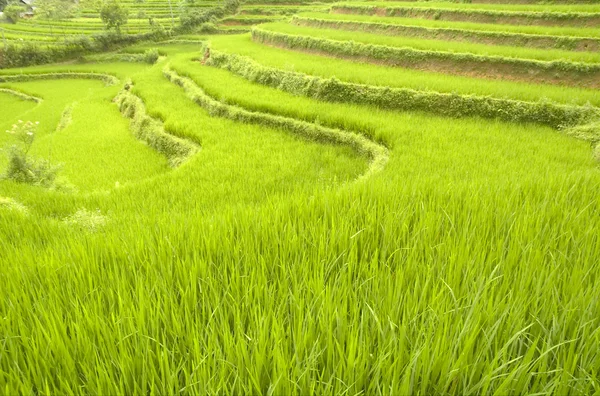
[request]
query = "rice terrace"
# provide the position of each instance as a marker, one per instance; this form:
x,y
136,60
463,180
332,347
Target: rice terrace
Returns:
x,y
288,197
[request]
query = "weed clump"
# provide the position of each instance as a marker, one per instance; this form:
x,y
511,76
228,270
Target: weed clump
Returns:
x,y
12,205
87,220
151,56
22,168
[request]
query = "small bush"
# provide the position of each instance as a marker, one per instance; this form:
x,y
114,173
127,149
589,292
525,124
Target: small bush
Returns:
x,y
21,167
13,12
87,220
151,55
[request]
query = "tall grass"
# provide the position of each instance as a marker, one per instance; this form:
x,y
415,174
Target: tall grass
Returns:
x,y
431,23
93,145
590,8
434,45
384,76
468,265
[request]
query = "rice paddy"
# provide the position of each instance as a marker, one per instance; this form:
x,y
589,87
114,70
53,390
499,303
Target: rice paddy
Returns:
x,y
252,208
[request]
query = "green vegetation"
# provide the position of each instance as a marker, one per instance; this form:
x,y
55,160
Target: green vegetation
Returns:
x,y
303,209
493,66
563,38
113,15
570,15
375,75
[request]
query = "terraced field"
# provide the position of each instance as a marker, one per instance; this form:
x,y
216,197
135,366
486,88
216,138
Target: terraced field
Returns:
x,y
84,22
349,198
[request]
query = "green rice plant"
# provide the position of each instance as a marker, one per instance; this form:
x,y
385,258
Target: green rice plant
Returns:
x,y
21,95
555,71
22,168
446,11
566,31
451,31
377,154
151,131
93,142
325,270
466,6
466,265
381,76
334,90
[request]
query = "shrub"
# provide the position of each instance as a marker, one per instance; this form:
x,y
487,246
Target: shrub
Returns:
x,y
151,55
207,27
113,15
12,13
21,167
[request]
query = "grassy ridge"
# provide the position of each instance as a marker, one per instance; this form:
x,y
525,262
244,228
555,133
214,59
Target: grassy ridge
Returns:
x,y
93,143
176,291
566,31
377,154
505,51
558,72
151,131
539,8
376,75
448,32
491,16
332,90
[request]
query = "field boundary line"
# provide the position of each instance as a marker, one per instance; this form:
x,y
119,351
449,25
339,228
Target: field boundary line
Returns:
x,y
106,78
571,43
152,131
405,99
544,18
582,122
378,154
552,72
21,95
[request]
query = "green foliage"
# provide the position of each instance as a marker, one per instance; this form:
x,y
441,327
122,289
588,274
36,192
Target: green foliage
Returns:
x,y
55,9
114,15
453,105
12,12
31,54
207,28
376,153
277,260
87,220
12,205
411,281
409,57
190,20
152,131
478,14
21,167
450,33
151,55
